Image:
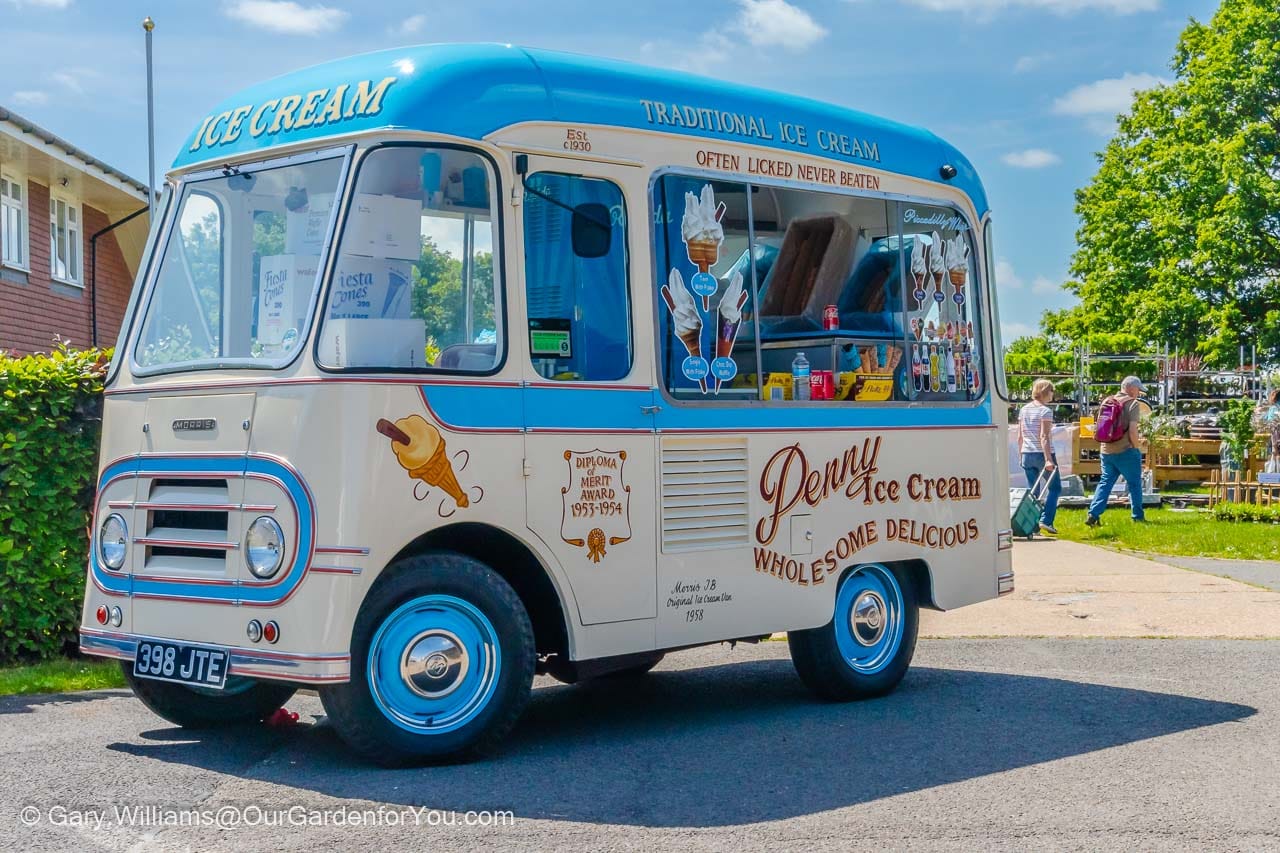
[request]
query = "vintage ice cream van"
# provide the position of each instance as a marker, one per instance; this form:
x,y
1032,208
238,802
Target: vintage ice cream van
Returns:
x,y
451,365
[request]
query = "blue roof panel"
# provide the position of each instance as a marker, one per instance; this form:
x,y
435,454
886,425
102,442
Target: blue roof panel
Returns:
x,y
473,90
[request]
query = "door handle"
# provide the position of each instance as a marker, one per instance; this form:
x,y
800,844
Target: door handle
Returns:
x,y
650,410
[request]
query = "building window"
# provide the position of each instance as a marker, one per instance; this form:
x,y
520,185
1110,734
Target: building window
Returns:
x,y
64,241
13,221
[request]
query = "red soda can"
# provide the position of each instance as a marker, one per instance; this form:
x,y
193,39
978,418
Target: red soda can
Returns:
x,y
816,385
830,318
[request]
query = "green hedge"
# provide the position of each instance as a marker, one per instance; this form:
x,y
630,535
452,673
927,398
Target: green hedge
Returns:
x,y
50,414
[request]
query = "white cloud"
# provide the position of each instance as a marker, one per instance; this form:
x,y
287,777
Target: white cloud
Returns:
x,y
985,8
1006,277
30,96
1105,97
712,49
1044,286
1031,158
410,25
285,16
1030,62
1011,331
46,4
74,79
770,23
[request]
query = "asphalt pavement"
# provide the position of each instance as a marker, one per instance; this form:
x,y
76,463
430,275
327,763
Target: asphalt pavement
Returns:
x,y
1010,744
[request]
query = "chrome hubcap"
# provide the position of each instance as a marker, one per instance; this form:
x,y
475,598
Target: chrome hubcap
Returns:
x,y
434,664
867,618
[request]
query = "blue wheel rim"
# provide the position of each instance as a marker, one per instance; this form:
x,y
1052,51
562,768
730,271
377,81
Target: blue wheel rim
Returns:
x,y
397,664
868,644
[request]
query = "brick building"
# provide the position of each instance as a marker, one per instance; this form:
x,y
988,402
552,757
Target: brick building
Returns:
x,y
71,239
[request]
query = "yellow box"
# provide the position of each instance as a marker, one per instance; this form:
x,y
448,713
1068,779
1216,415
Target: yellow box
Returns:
x,y
866,387
776,380
1086,426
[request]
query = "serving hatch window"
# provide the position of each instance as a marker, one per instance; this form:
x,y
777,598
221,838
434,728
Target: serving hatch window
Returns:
x,y
240,267
415,283
759,285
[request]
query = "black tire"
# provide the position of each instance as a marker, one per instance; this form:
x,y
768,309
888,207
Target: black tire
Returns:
x,y
432,594
872,671
240,703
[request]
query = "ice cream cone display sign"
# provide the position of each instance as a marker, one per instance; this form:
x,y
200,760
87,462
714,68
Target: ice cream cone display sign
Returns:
x,y
596,502
700,227
688,327
728,321
937,267
919,271
956,257
421,451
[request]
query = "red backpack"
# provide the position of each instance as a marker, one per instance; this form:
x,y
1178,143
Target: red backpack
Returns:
x,y
1110,426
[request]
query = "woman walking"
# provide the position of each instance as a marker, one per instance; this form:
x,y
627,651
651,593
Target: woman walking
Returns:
x,y
1035,441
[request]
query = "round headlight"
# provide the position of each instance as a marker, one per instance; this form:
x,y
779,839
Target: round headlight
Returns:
x,y
264,547
113,541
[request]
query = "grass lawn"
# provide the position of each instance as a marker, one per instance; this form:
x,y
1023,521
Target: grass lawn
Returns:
x,y
1186,533
61,676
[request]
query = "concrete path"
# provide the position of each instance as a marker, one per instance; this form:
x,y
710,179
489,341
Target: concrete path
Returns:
x,y
1068,589
1257,572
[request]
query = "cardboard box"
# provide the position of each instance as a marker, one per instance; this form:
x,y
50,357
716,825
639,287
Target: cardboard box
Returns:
x,y
373,343
285,285
304,232
371,289
384,226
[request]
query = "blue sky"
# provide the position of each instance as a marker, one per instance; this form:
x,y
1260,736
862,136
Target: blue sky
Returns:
x,y
1028,89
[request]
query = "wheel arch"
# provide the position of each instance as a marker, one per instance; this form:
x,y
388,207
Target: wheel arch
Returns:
x,y
915,570
517,564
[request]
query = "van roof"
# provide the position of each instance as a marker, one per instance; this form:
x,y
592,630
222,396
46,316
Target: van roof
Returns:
x,y
472,90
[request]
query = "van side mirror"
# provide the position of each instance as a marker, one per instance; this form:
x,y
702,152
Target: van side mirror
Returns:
x,y
592,236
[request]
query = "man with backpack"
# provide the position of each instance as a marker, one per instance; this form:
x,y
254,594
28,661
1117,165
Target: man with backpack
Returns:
x,y
1117,432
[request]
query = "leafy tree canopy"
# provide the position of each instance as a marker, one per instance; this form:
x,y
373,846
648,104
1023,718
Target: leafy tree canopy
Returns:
x,y
1179,240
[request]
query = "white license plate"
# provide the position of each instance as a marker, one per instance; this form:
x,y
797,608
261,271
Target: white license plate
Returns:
x,y
198,666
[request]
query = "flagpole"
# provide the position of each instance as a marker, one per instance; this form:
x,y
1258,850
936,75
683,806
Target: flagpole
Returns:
x,y
149,25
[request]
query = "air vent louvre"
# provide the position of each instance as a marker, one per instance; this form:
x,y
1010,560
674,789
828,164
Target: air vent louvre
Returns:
x,y
704,494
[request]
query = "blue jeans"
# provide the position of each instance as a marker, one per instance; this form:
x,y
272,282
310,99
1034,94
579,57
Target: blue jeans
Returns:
x,y
1032,465
1127,464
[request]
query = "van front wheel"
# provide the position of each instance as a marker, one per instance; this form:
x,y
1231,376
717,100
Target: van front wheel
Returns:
x,y
442,659
865,649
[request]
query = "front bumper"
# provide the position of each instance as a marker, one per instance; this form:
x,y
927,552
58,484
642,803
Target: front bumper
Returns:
x,y
249,663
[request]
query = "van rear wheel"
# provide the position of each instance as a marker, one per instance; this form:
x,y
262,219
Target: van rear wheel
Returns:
x,y
442,659
866,648
241,701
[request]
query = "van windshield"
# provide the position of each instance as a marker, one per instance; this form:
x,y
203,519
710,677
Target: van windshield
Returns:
x,y
241,264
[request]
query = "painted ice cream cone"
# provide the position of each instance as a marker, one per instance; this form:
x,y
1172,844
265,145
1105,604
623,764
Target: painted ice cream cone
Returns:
x,y
702,233
957,261
729,319
420,450
684,312
937,264
919,269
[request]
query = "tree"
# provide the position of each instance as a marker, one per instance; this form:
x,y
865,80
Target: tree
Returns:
x,y
438,294
1179,240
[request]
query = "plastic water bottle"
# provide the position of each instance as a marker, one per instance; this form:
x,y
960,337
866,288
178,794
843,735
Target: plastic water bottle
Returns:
x,y
800,378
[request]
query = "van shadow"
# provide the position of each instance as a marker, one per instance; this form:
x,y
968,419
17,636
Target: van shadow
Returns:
x,y
735,744
27,703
